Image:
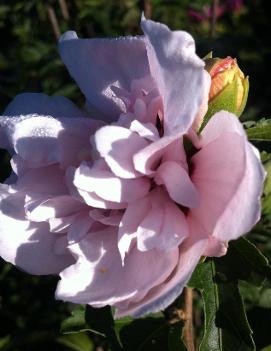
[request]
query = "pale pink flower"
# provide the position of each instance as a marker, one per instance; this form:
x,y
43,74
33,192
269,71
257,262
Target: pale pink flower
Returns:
x,y
121,210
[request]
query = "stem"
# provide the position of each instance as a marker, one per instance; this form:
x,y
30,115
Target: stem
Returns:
x,y
148,8
213,18
188,325
54,21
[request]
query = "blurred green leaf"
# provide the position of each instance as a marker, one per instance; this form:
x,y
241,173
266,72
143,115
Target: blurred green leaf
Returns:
x,y
260,132
77,342
4,342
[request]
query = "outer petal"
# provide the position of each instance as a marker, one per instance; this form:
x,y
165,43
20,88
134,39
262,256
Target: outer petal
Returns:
x,y
178,73
96,64
41,104
98,278
217,178
162,295
43,140
27,245
244,209
230,186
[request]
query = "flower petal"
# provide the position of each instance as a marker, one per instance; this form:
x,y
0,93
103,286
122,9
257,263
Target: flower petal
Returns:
x,y
217,178
118,145
178,73
109,187
27,245
165,293
96,64
41,104
178,184
99,278
164,226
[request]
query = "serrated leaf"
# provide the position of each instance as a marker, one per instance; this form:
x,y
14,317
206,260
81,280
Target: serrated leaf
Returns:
x,y
260,132
225,324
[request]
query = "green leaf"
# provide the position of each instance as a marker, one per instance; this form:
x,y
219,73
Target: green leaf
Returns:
x,y
76,322
4,342
255,295
244,261
77,342
148,333
267,348
225,326
96,320
260,132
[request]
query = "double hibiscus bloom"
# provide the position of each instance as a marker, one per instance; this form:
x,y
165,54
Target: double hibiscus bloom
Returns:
x,y
123,197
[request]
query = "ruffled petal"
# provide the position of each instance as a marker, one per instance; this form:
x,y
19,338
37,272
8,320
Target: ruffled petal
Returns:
x,y
178,184
164,226
109,187
27,245
178,73
165,293
44,140
97,64
99,278
117,145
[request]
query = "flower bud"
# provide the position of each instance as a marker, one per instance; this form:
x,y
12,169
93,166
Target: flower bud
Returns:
x,y
229,87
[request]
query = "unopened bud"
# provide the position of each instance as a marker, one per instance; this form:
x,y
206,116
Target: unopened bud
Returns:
x,y
229,87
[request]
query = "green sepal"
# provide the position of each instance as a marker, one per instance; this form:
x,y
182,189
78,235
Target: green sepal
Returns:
x,y
226,100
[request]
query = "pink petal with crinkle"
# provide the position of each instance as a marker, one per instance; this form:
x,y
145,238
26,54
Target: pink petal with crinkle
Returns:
x,y
145,130
164,226
79,227
178,184
130,222
160,296
117,145
44,209
27,245
43,140
147,160
96,64
109,187
108,217
178,73
99,278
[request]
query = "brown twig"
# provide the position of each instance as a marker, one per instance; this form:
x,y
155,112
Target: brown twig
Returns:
x,y
188,324
64,9
54,21
148,8
213,18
